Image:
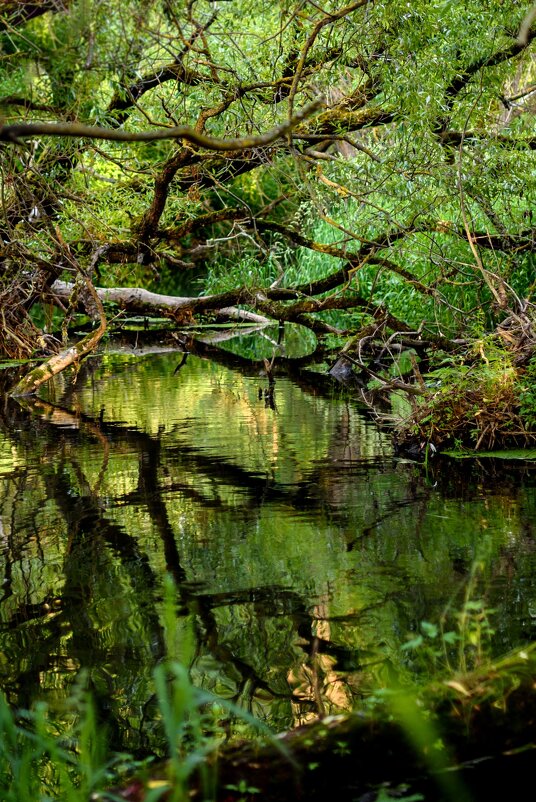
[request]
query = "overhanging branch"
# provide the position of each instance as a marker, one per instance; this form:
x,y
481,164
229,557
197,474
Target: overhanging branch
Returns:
x,y
19,131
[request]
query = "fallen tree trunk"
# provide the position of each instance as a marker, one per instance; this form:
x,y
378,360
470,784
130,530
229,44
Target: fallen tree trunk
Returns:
x,y
138,301
58,362
457,740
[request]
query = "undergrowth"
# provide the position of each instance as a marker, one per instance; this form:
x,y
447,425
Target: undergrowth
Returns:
x,y
461,640
482,401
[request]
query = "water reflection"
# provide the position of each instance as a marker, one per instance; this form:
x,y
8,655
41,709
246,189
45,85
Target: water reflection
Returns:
x,y
302,550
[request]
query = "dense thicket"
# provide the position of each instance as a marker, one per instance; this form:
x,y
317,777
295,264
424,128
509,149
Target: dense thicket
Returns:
x,y
397,214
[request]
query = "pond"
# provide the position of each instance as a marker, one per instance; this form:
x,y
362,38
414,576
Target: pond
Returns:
x,y
305,553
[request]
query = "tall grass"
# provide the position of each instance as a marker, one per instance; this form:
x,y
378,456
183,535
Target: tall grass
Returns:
x,y
41,761
38,763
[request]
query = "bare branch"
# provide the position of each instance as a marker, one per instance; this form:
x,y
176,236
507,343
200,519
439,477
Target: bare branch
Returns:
x,y
526,25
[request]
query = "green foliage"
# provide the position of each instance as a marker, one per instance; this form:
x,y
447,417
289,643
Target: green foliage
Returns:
x,y
224,275
527,397
245,789
506,454
461,640
470,404
439,649
404,175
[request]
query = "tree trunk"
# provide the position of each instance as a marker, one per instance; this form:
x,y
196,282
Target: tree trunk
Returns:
x,y
137,301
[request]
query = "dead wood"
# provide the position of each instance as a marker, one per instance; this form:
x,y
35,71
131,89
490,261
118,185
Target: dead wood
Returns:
x,y
438,737
69,356
137,301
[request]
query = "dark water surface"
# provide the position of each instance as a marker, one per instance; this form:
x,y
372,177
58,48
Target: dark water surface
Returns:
x,y
304,551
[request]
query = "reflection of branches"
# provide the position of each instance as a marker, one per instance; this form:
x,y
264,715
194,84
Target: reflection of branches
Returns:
x,y
85,516
58,416
150,491
393,508
93,544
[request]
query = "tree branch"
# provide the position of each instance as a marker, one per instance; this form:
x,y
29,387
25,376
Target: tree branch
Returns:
x,y
329,18
18,12
20,131
516,46
175,71
41,374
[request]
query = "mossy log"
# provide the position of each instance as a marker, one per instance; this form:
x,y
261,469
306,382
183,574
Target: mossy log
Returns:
x,y
471,738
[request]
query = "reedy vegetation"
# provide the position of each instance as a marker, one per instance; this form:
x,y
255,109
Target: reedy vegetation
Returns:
x,y
403,205
65,754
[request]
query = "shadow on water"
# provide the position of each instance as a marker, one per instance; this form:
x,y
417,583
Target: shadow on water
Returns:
x,y
304,553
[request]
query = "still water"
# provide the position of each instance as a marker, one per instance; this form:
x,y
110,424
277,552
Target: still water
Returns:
x,y
304,551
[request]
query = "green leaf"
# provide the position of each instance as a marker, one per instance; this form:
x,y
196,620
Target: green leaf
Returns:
x,y
514,453
430,630
414,643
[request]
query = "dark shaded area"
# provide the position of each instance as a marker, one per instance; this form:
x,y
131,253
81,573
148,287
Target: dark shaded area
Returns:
x,y
469,742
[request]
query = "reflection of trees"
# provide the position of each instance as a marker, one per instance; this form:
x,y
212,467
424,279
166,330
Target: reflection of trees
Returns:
x,y
223,638
316,680
73,632
269,647
99,552
91,574
96,544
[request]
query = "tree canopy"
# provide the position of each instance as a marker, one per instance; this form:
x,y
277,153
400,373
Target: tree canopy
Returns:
x,y
363,170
